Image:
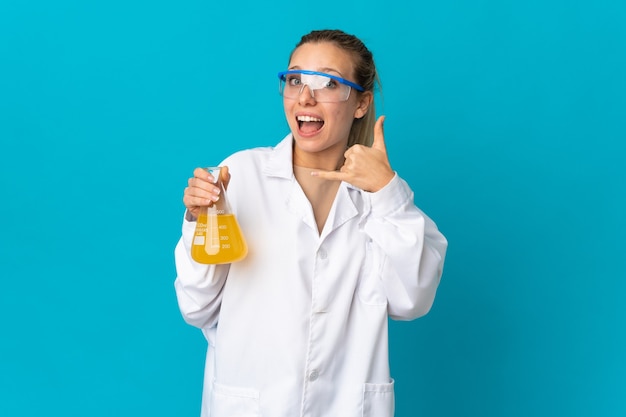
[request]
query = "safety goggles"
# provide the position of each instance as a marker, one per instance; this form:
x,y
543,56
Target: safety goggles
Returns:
x,y
325,88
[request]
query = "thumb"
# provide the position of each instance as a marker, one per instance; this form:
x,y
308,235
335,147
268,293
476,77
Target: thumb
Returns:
x,y
379,135
225,174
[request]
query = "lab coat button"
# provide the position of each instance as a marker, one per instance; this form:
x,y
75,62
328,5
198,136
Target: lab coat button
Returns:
x,y
322,254
313,375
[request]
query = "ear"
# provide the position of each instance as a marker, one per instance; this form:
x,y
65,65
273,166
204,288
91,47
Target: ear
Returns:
x,y
364,101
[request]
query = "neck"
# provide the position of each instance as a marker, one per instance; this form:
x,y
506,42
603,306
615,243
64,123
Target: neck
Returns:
x,y
327,160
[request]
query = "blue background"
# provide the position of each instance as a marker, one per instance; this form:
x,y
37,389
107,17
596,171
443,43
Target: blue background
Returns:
x,y
507,118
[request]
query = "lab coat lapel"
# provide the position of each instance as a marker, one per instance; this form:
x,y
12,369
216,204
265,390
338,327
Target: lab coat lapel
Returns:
x,y
299,205
280,165
342,210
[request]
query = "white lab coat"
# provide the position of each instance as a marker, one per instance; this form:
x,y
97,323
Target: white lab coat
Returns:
x,y
299,327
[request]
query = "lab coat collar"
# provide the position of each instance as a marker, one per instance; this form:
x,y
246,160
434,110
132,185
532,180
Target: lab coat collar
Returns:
x,y
280,163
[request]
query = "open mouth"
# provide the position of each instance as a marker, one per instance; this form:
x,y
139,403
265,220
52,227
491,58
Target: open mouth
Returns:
x,y
309,125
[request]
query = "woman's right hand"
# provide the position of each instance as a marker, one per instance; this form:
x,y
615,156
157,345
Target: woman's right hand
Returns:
x,y
202,191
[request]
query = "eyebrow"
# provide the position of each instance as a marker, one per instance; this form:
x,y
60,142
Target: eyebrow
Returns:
x,y
323,69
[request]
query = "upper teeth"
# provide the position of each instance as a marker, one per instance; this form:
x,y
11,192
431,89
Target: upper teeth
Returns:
x,y
308,119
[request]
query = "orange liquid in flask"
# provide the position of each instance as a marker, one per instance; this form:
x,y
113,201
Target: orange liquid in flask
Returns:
x,y
218,239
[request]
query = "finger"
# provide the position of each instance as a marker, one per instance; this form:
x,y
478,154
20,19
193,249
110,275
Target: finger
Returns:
x,y
201,188
330,175
202,184
203,174
195,196
379,135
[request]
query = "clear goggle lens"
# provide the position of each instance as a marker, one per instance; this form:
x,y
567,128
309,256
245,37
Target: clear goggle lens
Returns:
x,y
325,88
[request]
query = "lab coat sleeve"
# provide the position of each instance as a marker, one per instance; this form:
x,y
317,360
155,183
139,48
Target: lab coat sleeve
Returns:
x,y
198,286
409,249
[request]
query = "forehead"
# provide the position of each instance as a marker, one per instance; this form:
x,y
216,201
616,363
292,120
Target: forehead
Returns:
x,y
323,57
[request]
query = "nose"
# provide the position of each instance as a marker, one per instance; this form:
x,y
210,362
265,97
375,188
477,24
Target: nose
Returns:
x,y
306,95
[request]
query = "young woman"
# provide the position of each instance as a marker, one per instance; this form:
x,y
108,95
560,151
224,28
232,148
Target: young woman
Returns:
x,y
336,247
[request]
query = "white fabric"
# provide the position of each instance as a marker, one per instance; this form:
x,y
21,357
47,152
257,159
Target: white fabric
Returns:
x,y
299,327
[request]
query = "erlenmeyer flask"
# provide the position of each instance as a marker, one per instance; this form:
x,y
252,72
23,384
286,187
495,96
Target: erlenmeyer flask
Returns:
x,y
218,238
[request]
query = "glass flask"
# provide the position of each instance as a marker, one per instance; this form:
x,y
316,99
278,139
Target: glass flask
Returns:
x,y
218,238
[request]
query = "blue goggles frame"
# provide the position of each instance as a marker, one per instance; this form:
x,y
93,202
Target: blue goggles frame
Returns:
x,y
282,75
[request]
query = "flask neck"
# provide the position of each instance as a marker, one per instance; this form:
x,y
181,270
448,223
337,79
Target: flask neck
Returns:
x,y
221,206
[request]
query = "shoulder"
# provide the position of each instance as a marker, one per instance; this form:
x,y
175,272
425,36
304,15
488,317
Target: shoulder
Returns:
x,y
248,155
270,161
256,155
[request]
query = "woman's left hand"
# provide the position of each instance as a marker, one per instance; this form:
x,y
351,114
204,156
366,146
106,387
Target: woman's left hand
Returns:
x,y
366,168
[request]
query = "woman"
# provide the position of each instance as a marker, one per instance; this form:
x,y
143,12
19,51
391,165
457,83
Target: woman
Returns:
x,y
336,246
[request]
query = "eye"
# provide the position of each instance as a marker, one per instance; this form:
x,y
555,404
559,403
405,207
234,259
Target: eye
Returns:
x,y
293,79
331,84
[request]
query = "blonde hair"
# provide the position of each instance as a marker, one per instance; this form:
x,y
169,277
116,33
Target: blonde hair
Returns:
x,y
362,131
